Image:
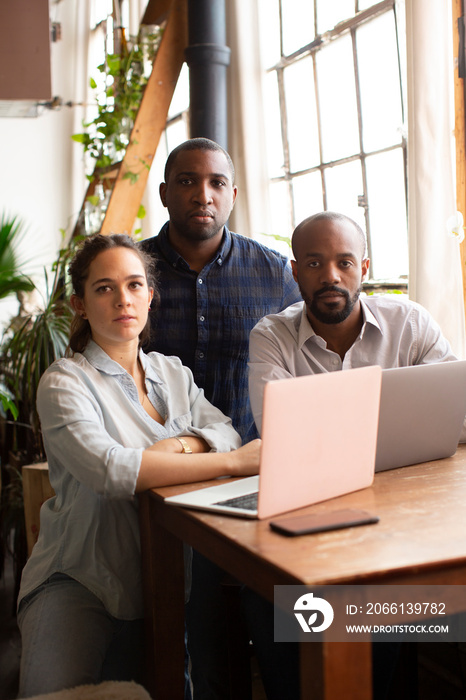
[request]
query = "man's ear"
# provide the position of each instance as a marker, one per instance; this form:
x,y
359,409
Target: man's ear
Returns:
x,y
365,268
294,268
163,193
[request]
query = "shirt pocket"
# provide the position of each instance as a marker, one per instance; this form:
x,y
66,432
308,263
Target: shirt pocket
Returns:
x,y
238,322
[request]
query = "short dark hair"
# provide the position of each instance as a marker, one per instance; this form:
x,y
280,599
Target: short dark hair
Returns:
x,y
328,216
80,331
197,144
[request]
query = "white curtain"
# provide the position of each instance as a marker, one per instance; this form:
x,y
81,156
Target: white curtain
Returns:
x,y
435,276
246,136
81,96
136,12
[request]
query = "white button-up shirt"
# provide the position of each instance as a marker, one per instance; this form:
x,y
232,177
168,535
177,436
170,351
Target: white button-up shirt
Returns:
x,y
396,332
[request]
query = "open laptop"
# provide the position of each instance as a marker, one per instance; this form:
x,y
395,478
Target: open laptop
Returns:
x,y
318,442
422,409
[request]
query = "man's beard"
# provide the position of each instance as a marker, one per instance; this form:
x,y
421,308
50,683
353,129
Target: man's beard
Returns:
x,y
329,316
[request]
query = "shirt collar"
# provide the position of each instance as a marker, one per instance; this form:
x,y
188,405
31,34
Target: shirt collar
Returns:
x,y
368,317
306,331
177,260
99,359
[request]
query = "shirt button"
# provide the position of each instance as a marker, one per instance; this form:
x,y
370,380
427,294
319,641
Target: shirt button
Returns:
x,y
201,318
200,281
201,355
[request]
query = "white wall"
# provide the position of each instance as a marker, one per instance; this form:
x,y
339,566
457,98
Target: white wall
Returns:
x,y
38,157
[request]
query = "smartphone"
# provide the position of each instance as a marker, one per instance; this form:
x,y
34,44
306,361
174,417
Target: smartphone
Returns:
x,y
320,522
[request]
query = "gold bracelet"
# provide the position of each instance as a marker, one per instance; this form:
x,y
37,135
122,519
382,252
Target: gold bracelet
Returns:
x,y
186,448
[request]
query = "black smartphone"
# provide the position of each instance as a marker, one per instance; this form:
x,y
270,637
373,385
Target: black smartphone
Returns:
x,y
320,522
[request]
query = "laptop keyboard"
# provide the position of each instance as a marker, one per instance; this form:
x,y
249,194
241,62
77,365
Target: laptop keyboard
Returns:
x,y
248,501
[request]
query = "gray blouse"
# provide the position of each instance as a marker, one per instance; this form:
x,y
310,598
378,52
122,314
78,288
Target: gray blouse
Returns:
x,y
95,431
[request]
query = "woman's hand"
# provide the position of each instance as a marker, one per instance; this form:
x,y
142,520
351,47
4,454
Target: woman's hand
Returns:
x,y
162,464
246,459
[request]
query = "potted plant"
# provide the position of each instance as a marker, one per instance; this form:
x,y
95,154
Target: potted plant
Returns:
x,y
30,344
12,280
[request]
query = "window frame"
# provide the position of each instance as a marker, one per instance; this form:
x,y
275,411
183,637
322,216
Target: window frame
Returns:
x,y
348,26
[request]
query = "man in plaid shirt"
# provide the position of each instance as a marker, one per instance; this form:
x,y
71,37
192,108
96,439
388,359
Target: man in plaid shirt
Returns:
x,y
215,285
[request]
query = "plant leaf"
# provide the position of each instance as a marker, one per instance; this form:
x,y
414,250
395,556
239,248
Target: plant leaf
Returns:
x,y
132,177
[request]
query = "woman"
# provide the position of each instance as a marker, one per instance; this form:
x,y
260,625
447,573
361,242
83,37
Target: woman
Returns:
x,y
115,422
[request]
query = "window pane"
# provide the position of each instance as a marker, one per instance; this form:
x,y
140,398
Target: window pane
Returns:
x,y
273,132
320,123
380,83
269,30
344,185
307,195
280,209
330,12
180,99
364,4
297,24
337,96
387,215
303,133
176,134
99,10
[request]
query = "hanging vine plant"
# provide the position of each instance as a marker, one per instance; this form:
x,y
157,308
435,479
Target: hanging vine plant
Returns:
x,y
118,96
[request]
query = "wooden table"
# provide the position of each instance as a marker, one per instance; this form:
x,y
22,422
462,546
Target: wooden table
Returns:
x,y
420,539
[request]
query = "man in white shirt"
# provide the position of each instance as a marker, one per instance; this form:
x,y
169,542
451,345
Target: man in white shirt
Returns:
x,y
335,328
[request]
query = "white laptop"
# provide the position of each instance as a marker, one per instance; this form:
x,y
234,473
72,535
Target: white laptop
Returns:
x,y
422,410
318,441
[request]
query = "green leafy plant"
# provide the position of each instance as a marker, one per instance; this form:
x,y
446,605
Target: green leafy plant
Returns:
x,y
7,404
140,216
12,279
118,94
30,344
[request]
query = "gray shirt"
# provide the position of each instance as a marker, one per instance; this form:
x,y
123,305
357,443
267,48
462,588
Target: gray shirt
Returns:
x,y
396,332
95,431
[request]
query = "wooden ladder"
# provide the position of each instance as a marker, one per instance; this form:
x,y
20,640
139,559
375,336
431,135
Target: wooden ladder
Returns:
x,y
150,121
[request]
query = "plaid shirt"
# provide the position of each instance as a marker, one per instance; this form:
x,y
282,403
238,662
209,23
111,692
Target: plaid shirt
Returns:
x,y
205,319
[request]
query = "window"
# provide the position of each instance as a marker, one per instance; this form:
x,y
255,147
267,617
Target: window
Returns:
x,y
335,120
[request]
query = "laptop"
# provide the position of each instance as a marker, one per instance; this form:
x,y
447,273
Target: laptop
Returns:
x,y
318,441
422,410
